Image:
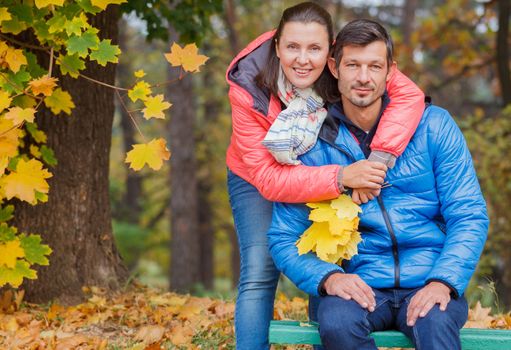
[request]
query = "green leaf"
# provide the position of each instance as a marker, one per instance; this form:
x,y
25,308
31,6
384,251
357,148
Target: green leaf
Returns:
x,y
33,68
82,44
105,52
48,155
7,233
87,6
35,251
75,25
56,23
71,64
14,26
41,29
6,213
15,81
15,276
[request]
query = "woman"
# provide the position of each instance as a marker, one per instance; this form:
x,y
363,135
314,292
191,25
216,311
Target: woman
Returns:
x,y
294,55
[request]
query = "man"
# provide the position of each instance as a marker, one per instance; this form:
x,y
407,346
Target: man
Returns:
x,y
422,236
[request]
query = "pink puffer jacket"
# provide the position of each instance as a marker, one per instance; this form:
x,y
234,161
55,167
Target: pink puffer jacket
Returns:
x,y
254,110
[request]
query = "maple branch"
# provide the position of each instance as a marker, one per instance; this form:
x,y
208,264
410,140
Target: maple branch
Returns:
x,y
129,113
22,44
50,68
116,88
181,76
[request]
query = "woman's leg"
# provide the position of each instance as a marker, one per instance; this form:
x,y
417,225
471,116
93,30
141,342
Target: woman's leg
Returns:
x,y
258,274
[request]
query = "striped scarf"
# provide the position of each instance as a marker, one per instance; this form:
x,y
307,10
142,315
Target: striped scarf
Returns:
x,y
296,128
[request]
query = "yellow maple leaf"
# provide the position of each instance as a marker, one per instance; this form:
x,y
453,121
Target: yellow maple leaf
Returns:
x,y
153,154
102,4
140,91
140,73
340,226
43,3
35,151
28,178
19,115
188,57
155,107
15,58
9,138
9,252
346,208
59,101
4,14
5,100
43,85
4,161
333,233
307,241
323,213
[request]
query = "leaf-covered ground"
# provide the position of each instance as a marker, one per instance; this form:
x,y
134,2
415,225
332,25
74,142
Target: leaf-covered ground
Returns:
x,y
145,319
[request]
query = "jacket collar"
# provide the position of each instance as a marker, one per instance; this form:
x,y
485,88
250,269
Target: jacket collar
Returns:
x,y
335,129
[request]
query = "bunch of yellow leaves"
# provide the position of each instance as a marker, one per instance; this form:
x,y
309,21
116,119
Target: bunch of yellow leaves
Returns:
x,y
333,235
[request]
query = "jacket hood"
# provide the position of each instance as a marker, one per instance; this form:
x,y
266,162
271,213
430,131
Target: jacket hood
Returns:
x,y
246,66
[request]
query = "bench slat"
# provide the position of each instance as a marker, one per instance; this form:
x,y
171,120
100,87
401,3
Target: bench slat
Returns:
x,y
292,332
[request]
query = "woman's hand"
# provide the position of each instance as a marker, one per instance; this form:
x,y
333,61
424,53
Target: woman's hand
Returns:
x,y
364,195
364,174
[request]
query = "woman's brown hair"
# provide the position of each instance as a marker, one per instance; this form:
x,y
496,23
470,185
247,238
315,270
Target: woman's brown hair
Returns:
x,y
305,12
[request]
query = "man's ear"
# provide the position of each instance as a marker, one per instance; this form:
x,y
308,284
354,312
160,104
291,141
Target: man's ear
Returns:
x,y
392,70
332,65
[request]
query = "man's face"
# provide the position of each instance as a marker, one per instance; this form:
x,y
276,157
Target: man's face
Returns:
x,y
362,73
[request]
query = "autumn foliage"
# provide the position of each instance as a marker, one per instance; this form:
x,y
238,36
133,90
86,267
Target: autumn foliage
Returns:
x,y
63,32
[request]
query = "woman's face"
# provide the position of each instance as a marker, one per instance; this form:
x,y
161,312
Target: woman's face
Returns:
x,y
303,50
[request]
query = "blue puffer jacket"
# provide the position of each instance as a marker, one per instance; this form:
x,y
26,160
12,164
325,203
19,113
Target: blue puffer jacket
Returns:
x,y
431,224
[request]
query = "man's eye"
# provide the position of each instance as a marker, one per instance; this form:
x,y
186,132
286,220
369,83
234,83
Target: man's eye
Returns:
x,y
376,67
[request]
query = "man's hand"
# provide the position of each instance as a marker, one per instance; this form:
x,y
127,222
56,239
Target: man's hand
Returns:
x,y
349,286
364,195
364,174
433,293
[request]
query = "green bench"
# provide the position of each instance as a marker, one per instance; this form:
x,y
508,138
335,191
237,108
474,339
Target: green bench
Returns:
x,y
292,332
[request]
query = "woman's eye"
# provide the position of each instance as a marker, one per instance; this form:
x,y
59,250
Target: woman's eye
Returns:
x,y
292,46
376,67
315,48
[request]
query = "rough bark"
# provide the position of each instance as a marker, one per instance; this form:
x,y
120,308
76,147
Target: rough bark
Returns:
x,y
76,221
503,56
185,237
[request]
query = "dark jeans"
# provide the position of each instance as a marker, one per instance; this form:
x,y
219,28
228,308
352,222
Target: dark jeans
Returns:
x,y
343,324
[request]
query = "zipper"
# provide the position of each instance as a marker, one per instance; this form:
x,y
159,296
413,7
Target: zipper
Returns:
x,y
386,217
394,241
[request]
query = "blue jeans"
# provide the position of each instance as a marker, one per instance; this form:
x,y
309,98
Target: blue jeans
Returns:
x,y
258,274
343,324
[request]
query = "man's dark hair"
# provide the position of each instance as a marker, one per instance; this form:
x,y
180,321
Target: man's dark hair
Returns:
x,y
362,32
305,12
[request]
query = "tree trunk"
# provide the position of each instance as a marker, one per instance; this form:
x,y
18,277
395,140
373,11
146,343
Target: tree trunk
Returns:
x,y
185,238
130,206
503,56
76,221
230,19
407,20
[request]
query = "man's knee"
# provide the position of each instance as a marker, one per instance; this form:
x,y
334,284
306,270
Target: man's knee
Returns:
x,y
341,318
439,322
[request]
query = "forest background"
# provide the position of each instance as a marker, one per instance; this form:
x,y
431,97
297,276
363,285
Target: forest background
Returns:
x,y
173,228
